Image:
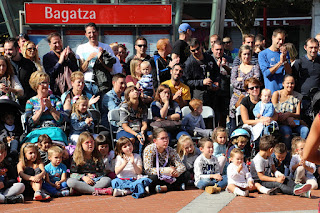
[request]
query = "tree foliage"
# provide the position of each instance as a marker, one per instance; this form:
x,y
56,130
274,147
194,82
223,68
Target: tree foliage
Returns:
x,y
244,12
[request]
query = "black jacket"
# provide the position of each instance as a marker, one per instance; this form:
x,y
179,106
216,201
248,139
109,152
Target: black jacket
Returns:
x,y
164,71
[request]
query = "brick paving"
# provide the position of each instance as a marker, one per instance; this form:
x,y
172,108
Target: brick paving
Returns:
x,y
264,203
168,202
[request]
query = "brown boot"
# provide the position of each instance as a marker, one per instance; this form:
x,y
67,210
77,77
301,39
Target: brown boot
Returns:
x,y
210,189
217,188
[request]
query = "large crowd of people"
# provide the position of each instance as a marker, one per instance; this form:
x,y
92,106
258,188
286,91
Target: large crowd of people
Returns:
x,y
260,97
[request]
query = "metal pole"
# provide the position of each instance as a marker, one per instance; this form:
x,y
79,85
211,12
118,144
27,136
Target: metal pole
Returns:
x,y
222,16
213,25
21,14
177,18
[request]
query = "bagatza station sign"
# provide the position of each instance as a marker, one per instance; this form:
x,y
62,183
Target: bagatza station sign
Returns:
x,y
102,14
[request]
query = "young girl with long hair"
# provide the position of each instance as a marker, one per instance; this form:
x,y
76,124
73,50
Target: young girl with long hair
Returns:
x,y
128,167
87,168
81,120
133,119
31,170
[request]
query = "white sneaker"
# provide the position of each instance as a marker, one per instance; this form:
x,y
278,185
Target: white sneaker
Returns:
x,y
118,192
306,194
246,193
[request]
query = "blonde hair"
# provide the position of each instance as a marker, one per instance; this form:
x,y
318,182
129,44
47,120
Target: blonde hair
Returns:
x,y
135,62
184,139
114,44
236,151
78,155
36,78
294,142
239,139
75,106
145,63
76,75
54,149
23,149
216,131
36,59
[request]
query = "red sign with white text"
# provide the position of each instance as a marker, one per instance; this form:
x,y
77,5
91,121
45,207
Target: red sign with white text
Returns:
x,y
101,14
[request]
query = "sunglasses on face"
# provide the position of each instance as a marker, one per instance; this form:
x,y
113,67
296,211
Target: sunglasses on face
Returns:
x,y
141,45
194,50
32,48
254,87
43,83
228,42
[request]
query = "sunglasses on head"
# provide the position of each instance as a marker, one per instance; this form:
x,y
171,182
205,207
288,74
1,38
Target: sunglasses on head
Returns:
x,y
254,87
194,50
141,45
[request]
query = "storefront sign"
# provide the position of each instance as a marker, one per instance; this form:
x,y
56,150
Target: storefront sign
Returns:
x,y
102,14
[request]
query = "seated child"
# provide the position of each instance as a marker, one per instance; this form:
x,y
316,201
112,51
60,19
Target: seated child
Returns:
x,y
239,178
146,81
264,108
281,158
31,170
206,169
193,123
262,168
128,167
187,153
56,173
81,119
10,133
240,139
11,191
219,138
44,143
301,170
104,147
87,168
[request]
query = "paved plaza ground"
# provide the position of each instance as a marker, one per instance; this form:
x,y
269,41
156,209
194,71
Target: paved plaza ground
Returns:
x,y
191,200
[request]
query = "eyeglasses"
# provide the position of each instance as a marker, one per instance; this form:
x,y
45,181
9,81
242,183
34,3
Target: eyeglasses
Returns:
x,y
254,87
32,48
194,50
43,83
141,45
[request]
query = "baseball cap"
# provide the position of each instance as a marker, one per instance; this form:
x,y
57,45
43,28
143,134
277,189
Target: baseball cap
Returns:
x,y
184,27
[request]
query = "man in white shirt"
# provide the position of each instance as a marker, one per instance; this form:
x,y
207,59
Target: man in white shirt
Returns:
x,y
90,52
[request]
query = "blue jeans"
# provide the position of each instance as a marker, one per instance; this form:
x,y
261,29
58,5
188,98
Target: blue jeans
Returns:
x,y
137,187
52,190
211,182
286,132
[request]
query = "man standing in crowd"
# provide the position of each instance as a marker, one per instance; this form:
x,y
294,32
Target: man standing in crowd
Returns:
x,y
274,63
58,58
112,99
223,94
23,68
89,53
201,74
180,92
248,39
306,71
228,48
180,47
260,40
141,46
